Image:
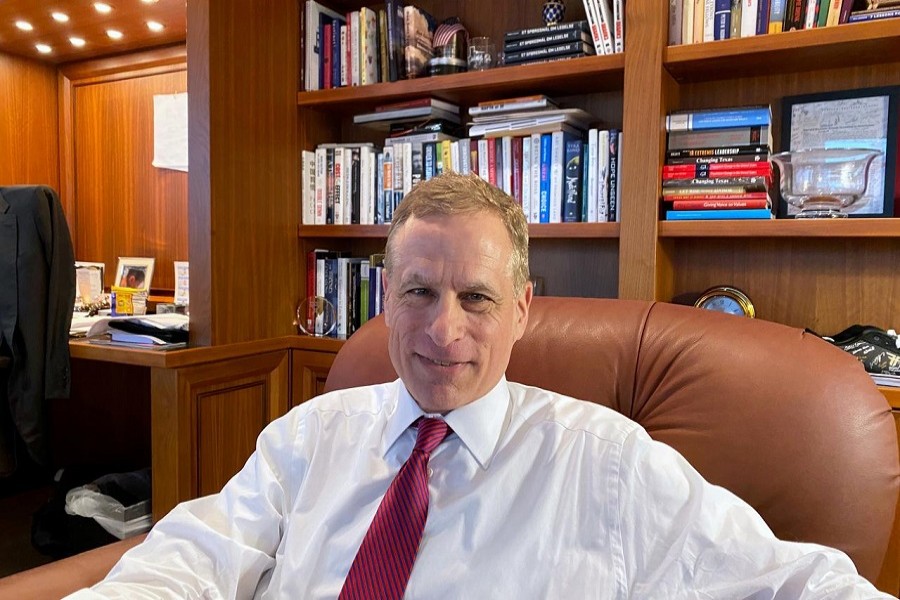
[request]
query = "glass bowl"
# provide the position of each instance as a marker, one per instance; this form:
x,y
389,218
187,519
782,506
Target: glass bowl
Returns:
x,y
821,182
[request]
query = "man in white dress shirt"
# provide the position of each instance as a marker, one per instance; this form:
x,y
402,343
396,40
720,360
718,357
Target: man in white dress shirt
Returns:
x,y
532,494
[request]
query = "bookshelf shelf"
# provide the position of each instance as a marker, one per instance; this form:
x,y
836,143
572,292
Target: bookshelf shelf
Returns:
x,y
574,76
857,44
535,231
844,228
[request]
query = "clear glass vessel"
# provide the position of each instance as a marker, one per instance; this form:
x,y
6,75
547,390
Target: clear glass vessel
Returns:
x,y
821,182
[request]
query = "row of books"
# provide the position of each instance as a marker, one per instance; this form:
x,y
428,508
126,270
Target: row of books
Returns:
x,y
543,44
365,46
695,21
352,287
717,164
556,177
607,24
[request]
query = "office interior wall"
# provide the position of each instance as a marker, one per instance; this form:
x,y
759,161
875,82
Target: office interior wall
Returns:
x,y
120,204
29,142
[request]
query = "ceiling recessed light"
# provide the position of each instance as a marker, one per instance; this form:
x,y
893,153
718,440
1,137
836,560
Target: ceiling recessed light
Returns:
x,y
114,34
60,17
101,7
155,26
24,25
43,48
76,41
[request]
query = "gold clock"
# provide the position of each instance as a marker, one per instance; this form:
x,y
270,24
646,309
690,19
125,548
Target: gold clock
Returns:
x,y
726,299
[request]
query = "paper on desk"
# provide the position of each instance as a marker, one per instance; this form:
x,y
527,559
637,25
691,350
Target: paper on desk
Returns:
x,y
169,321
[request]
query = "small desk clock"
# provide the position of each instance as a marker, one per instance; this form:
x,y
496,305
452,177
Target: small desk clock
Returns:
x,y
726,299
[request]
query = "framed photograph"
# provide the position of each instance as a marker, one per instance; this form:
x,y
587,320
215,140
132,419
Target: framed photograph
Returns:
x,y
864,118
89,277
134,272
182,283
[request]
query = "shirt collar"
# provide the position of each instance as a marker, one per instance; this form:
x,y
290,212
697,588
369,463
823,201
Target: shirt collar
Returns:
x,y
477,424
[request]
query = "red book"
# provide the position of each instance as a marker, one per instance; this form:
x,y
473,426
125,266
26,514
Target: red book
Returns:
x,y
713,197
718,204
517,169
327,56
492,162
723,170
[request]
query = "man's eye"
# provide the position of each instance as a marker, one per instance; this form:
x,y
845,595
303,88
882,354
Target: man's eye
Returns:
x,y
476,298
418,292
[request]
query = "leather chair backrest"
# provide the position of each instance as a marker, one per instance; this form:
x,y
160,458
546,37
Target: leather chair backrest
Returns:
x,y
786,421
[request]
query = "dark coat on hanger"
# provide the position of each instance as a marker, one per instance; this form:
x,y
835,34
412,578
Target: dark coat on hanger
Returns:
x,y
37,294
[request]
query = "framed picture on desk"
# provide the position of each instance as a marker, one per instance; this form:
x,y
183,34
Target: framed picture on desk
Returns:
x,y
134,272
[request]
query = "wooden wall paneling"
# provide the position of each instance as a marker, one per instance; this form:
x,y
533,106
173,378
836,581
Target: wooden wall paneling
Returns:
x,y
244,181
28,123
823,284
206,419
646,102
576,267
309,370
123,206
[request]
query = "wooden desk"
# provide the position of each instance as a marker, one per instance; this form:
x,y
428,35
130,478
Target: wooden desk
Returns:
x,y
208,405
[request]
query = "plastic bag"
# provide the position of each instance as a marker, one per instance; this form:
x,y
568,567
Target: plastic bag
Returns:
x,y
117,519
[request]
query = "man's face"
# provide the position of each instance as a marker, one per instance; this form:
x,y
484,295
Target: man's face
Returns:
x,y
451,309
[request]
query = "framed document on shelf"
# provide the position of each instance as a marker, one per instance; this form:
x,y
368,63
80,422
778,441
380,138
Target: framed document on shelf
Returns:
x,y
863,118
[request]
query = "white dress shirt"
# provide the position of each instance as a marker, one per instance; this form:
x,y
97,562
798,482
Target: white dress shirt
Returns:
x,y
533,495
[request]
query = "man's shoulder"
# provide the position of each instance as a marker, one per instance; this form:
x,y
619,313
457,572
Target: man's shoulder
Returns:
x,y
543,408
368,399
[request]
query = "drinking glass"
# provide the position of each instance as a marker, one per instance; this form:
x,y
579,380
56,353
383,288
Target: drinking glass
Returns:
x,y
482,53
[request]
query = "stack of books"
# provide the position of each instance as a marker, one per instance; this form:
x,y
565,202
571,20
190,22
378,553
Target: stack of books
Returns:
x,y
875,10
717,164
606,19
543,44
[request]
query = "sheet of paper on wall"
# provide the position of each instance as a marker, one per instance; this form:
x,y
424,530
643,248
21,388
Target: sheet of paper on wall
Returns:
x,y
170,131
182,279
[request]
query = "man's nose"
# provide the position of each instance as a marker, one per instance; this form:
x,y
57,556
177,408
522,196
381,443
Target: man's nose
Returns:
x,y
447,322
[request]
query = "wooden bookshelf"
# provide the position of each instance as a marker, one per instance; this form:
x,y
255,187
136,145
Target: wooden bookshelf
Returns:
x,y
787,228
857,44
535,231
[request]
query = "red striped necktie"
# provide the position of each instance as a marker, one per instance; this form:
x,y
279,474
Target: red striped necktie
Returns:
x,y
382,566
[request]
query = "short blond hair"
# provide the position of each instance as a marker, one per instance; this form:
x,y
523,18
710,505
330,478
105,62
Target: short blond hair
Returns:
x,y
454,194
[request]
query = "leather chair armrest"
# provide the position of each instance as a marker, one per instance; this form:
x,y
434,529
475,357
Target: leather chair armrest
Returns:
x,y
60,578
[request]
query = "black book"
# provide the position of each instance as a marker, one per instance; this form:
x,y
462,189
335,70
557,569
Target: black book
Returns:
x,y
354,186
557,37
578,48
542,31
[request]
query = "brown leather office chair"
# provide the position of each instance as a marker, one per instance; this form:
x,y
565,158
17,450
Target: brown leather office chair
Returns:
x,y
786,421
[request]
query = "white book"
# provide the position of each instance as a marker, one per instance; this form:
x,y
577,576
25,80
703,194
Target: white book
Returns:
x,y
341,191
399,168
603,176
749,10
619,180
618,26
606,25
506,143
347,176
535,216
810,20
369,46
320,292
687,22
365,192
557,159
675,28
308,198
526,175
594,26
709,20
483,159
345,67
343,282
407,168
591,174
454,156
321,183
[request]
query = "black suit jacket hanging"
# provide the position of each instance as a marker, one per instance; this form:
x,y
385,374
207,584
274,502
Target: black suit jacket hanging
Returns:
x,y
37,294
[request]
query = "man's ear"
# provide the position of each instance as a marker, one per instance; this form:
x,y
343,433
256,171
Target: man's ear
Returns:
x,y
523,304
386,298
